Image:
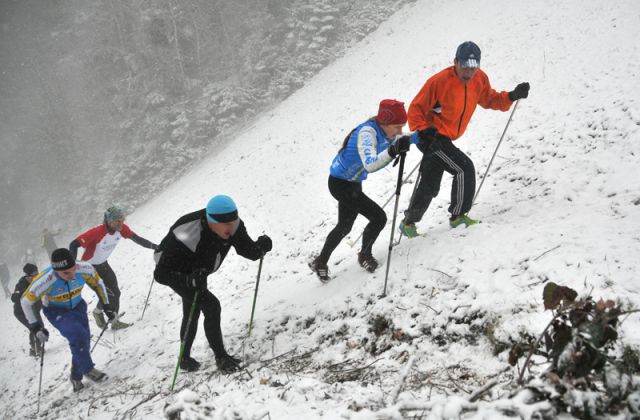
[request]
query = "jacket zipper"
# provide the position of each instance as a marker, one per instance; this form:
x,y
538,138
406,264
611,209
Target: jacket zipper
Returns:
x,y
464,108
69,290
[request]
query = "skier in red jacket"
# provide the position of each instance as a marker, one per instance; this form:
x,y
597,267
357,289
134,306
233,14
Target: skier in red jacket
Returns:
x,y
98,243
440,113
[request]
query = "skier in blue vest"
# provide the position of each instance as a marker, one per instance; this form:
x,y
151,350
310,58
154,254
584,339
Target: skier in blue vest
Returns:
x,y
369,147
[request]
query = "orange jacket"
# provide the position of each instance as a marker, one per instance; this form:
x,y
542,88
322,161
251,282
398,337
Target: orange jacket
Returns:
x,y
447,104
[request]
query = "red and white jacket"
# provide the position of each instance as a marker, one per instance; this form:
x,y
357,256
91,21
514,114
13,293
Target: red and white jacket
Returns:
x,y
99,243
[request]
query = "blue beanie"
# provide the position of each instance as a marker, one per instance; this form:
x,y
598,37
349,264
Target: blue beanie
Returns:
x,y
221,209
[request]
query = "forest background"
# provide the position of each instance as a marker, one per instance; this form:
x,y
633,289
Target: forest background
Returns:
x,y
108,102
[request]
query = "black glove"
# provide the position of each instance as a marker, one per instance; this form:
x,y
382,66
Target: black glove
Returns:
x,y
400,145
520,92
427,139
197,280
264,244
15,298
40,332
109,312
427,134
430,140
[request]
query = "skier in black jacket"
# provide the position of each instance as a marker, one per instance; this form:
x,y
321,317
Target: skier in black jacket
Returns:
x,y
195,247
30,271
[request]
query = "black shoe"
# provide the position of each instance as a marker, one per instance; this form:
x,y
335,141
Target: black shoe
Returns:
x,y
228,364
189,364
320,268
367,262
96,375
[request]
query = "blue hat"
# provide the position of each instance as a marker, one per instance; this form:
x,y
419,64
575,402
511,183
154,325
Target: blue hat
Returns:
x,y
468,55
221,209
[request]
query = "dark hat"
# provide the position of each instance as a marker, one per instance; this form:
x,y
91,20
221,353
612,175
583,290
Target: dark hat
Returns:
x,y
468,55
61,259
391,112
30,269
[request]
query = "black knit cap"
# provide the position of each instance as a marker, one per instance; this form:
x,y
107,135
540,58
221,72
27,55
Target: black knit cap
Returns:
x,y
61,259
30,269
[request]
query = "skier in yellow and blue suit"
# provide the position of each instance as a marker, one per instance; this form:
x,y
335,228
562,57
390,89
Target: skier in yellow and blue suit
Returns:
x,y
59,287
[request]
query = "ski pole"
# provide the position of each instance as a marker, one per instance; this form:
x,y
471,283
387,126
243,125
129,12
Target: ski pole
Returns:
x,y
494,153
404,181
147,301
351,244
393,224
100,336
184,338
41,369
255,296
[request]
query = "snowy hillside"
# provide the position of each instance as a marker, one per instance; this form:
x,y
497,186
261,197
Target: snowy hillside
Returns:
x,y
561,204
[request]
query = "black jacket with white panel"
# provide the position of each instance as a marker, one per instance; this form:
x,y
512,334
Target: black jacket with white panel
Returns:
x,y
191,247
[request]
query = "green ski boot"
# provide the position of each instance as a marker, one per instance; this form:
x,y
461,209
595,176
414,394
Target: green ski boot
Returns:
x,y
116,324
409,230
98,315
463,219
119,325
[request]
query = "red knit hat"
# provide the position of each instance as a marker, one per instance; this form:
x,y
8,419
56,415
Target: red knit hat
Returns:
x,y
391,112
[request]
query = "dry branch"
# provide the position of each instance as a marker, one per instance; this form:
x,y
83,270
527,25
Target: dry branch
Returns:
x,y
403,377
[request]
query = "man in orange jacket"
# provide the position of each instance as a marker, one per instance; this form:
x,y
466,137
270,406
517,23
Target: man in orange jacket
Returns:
x,y
440,114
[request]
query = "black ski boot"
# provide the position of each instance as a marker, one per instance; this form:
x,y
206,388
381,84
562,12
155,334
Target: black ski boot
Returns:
x,y
96,375
77,384
228,364
320,268
189,364
367,262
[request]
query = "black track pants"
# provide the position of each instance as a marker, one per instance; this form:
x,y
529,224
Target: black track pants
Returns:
x,y
111,284
209,305
445,157
351,202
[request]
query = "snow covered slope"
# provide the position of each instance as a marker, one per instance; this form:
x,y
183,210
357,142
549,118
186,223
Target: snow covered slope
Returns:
x,y
561,204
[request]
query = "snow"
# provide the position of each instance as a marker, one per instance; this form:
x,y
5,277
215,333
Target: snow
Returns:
x,y
560,204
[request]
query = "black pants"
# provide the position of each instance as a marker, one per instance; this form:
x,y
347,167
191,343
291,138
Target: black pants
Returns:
x,y
111,284
19,314
351,202
206,303
444,157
